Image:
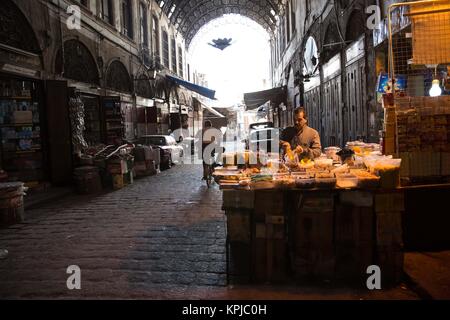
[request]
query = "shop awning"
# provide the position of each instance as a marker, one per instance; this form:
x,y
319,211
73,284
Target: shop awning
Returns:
x,y
194,87
254,100
210,109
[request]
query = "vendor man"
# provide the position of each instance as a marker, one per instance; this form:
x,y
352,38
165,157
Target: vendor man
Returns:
x,y
302,139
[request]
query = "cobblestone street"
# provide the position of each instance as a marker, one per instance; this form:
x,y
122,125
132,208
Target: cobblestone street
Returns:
x,y
167,229
161,238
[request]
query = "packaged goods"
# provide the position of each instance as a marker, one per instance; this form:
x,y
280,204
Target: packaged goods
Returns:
x,y
326,181
323,163
389,172
347,181
305,183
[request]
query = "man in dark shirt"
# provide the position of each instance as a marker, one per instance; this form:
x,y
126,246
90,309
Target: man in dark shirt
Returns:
x,y
302,139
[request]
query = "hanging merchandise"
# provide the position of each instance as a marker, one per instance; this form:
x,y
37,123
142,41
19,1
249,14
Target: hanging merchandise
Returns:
x,y
76,109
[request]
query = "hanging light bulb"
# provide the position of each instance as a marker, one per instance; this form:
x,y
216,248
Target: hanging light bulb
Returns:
x,y
435,90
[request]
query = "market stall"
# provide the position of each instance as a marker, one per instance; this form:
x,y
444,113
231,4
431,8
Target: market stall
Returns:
x,y
328,219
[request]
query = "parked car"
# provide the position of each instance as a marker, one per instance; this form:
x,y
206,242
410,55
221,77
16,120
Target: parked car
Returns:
x,y
189,144
171,152
263,136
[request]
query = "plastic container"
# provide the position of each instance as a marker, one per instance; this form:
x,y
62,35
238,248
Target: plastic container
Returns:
x,y
323,163
369,182
347,181
282,175
326,183
302,175
389,172
341,169
258,185
305,183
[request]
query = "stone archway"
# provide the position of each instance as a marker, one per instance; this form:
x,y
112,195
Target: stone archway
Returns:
x,y
144,87
332,42
118,78
355,26
15,30
78,63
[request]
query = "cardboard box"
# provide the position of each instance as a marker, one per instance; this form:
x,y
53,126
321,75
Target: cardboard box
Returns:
x,y
23,117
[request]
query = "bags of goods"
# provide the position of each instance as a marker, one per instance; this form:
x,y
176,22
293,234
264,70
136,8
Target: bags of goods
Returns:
x,y
341,169
262,181
304,180
389,172
322,163
283,180
366,180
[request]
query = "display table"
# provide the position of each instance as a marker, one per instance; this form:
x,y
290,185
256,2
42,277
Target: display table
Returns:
x,y
279,236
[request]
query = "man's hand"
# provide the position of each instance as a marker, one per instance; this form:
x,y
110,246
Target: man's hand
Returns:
x,y
299,150
285,144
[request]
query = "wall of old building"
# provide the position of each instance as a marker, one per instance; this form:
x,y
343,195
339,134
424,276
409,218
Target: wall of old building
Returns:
x,y
337,110
102,62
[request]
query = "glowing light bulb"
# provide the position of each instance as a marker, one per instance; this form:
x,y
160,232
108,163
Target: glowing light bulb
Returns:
x,y
435,90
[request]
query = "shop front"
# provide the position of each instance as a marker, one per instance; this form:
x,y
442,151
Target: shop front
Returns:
x,y
146,116
24,144
332,103
356,106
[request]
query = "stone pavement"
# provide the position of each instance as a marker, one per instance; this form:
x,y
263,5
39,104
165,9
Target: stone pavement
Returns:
x,y
161,238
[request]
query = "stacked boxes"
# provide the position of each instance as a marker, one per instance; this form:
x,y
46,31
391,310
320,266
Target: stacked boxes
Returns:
x,y
275,236
238,206
312,233
423,134
354,238
389,129
269,241
389,208
145,161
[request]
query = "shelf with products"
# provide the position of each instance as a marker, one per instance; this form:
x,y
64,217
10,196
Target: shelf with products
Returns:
x,y
114,120
16,98
19,125
22,156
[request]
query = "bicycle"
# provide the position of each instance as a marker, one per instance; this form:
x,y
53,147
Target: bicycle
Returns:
x,y
210,168
209,174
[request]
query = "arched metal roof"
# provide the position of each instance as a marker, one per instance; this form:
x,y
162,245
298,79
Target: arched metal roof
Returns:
x,y
188,16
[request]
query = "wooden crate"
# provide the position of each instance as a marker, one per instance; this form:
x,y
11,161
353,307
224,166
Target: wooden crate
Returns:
x,y
268,202
316,202
356,198
353,225
269,260
313,229
352,262
237,199
389,231
390,259
314,263
239,225
238,262
392,201
269,250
